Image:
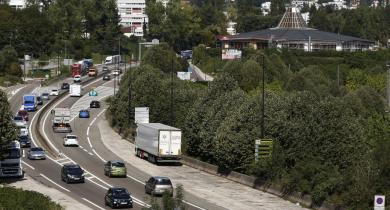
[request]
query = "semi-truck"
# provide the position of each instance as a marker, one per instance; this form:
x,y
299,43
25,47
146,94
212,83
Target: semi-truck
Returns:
x,y
75,90
158,142
81,67
10,161
113,59
30,102
61,120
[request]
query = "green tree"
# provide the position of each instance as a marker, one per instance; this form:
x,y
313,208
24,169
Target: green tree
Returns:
x,y
8,131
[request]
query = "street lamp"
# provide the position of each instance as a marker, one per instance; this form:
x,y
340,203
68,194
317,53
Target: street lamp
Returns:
x,y
388,83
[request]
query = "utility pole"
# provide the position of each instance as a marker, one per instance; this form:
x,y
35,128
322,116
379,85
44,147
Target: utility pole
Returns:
x,y
338,75
172,92
388,84
262,101
129,96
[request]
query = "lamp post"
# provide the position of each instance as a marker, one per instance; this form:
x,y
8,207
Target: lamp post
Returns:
x,y
262,101
388,83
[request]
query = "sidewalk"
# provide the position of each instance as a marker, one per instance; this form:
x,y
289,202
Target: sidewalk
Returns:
x,y
64,200
216,190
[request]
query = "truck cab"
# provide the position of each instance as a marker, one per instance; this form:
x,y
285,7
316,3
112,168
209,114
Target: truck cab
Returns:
x,y
10,161
92,72
29,102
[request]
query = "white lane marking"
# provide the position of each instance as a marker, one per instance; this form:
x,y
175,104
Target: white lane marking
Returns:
x,y
88,131
23,155
106,188
90,153
135,179
93,150
62,159
28,165
89,141
90,202
54,183
85,150
69,161
81,146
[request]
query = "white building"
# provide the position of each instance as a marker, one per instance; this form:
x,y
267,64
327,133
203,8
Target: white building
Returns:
x,y
266,7
17,4
132,13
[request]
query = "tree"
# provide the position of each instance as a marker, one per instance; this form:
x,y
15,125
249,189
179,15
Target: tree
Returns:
x,y
8,131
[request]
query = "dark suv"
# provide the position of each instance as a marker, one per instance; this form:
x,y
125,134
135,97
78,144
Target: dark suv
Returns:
x,y
94,104
24,141
72,173
118,197
65,86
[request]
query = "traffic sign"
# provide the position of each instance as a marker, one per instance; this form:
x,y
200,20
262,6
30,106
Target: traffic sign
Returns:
x,y
379,202
263,148
141,115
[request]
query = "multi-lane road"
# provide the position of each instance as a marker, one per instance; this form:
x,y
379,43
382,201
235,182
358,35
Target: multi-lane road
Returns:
x,y
92,153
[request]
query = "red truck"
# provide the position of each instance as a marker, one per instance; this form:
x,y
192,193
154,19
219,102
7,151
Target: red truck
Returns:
x,y
76,69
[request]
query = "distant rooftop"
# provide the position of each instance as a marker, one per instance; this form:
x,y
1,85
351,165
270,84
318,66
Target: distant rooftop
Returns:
x,y
292,19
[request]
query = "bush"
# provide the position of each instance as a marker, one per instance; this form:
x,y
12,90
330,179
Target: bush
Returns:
x,y
13,198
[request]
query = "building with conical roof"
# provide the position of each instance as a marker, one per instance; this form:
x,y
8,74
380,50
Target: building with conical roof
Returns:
x,y
293,33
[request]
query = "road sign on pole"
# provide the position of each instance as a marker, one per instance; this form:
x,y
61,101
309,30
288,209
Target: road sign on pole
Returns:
x,y
263,148
141,115
379,202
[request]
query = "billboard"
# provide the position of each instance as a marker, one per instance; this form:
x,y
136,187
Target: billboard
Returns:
x,y
231,54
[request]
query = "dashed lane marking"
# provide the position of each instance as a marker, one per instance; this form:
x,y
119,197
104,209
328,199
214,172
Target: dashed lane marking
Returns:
x,y
54,183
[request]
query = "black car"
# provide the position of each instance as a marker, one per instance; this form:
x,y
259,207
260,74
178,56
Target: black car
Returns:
x,y
107,77
24,141
72,173
94,104
118,197
65,86
39,100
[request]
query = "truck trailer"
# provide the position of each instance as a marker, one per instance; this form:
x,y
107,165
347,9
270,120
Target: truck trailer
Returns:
x,y
158,142
30,102
61,120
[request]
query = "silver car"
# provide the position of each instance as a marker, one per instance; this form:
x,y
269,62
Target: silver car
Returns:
x,y
157,185
45,96
36,153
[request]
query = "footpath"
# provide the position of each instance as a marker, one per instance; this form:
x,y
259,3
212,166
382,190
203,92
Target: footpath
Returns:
x,y
216,190
55,195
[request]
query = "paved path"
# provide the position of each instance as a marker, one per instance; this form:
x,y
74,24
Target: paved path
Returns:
x,y
216,190
64,200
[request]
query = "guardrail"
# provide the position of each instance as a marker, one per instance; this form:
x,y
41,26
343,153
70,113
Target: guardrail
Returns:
x,y
44,109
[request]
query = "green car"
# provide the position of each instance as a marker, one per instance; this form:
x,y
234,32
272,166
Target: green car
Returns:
x,y
115,168
93,93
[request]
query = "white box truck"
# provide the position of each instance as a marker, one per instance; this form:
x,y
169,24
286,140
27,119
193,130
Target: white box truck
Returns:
x,y
75,90
158,142
61,120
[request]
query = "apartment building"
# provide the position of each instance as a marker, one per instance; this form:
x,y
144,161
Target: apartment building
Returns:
x,y
133,17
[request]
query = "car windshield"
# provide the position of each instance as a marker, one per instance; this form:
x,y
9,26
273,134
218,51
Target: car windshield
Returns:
x,y
23,138
71,137
11,154
54,90
118,164
22,113
18,118
36,149
121,193
45,94
75,170
164,182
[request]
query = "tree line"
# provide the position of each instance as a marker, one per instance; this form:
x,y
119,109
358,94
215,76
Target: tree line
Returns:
x,y
330,140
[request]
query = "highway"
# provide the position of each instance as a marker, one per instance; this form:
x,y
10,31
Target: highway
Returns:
x,y
90,155
202,191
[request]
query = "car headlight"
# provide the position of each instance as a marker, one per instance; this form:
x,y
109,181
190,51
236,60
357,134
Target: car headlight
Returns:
x,y
116,201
